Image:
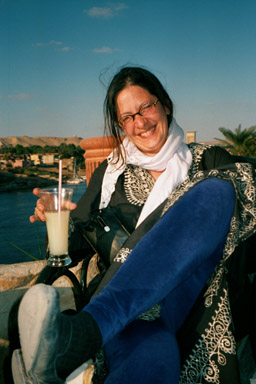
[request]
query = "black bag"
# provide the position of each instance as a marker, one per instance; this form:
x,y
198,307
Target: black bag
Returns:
x,y
105,234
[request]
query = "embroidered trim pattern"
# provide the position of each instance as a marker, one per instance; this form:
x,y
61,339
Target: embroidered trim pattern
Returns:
x,y
197,153
151,314
122,255
217,341
138,183
214,284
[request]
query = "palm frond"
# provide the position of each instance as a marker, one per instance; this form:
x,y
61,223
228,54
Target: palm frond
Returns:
x,y
223,143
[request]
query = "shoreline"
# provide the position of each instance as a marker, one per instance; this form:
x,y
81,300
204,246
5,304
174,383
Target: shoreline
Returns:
x,y
10,182
13,183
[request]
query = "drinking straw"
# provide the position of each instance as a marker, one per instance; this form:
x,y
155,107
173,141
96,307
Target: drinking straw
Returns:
x,y
60,183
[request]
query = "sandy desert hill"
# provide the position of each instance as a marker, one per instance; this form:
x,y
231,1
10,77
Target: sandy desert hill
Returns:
x,y
42,141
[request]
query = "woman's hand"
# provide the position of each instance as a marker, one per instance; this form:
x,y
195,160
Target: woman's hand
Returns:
x,y
39,210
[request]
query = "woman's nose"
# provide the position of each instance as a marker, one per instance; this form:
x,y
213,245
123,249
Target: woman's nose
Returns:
x,y
139,121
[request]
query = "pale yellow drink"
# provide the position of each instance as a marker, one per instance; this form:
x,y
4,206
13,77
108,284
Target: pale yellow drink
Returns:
x,y
56,203
57,230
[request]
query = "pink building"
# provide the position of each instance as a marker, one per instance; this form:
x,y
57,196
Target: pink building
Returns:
x,y
20,163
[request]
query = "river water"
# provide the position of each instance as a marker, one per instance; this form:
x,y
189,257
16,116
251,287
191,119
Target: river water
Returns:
x,y
15,227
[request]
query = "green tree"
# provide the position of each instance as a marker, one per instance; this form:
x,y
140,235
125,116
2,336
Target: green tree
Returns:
x,y
35,149
9,156
79,156
67,150
20,150
50,149
239,142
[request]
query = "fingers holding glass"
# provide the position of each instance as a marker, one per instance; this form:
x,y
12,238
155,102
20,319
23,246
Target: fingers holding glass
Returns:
x,y
39,214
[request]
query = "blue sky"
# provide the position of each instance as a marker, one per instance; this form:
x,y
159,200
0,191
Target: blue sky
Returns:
x,y
57,57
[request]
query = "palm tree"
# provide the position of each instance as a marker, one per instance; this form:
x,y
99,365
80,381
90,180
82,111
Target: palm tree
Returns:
x,y
239,142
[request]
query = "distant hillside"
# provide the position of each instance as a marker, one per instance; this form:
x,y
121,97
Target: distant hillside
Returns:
x,y
26,141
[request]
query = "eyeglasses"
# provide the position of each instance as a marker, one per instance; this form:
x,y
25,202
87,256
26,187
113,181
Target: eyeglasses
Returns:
x,y
145,110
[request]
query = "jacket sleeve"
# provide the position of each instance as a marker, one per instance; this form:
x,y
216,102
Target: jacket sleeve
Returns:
x,y
215,157
78,247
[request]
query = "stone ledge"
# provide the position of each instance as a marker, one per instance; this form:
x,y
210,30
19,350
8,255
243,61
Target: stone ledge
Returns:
x,y
24,275
20,275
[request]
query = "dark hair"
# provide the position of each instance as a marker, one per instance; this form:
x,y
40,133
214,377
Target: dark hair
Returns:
x,y
125,77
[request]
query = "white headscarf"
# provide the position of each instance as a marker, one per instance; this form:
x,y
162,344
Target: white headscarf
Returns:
x,y
174,157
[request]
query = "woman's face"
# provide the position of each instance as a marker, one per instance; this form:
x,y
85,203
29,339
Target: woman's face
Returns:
x,y
148,133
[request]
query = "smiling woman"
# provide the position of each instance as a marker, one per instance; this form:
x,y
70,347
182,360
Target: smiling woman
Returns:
x,y
148,128
137,95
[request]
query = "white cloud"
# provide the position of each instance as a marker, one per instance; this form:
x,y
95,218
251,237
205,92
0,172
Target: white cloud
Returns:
x,y
57,45
105,49
120,6
99,12
106,12
49,43
19,96
66,49
54,42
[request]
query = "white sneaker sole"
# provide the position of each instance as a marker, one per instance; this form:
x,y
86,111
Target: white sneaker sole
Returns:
x,y
38,309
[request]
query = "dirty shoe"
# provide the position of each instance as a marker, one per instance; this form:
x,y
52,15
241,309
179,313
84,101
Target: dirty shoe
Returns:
x,y
39,329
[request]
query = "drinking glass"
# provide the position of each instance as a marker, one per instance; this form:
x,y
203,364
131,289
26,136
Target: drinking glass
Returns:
x,y
57,209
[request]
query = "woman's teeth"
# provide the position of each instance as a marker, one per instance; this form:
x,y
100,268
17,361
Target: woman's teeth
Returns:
x,y
147,133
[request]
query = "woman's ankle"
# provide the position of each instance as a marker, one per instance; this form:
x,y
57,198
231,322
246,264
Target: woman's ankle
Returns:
x,y
85,340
